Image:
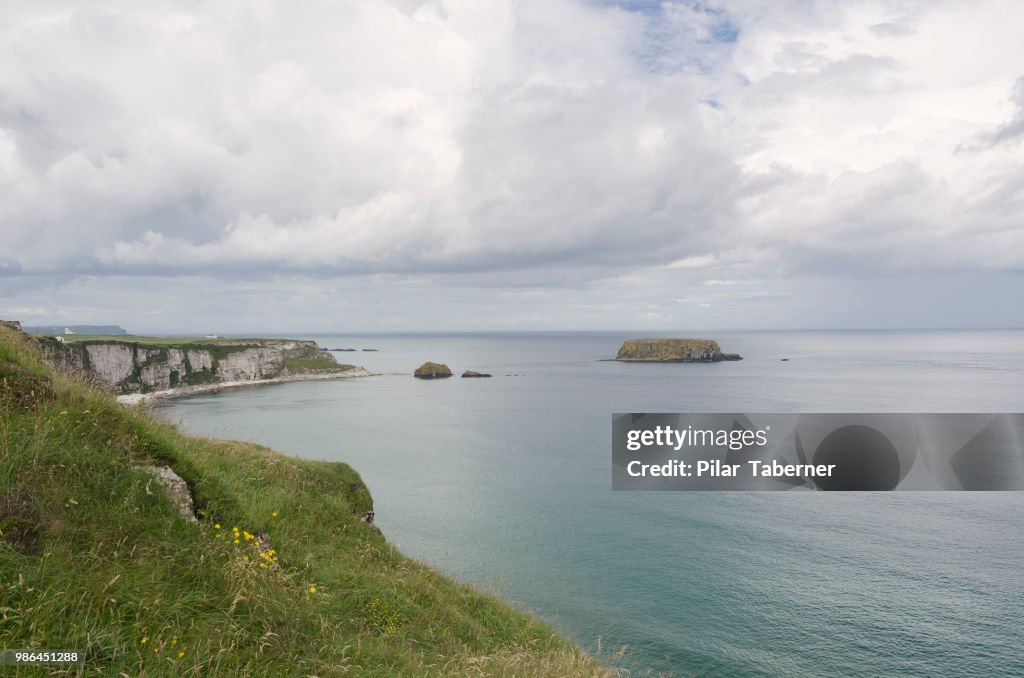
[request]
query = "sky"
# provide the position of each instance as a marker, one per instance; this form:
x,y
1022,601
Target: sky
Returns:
x,y
479,165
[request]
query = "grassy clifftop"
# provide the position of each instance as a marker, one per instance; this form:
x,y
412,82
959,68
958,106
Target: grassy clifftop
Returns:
x,y
160,341
93,556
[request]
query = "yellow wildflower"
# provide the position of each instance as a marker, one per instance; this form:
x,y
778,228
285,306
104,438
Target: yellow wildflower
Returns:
x,y
236,541
181,654
274,514
216,526
143,642
312,589
174,641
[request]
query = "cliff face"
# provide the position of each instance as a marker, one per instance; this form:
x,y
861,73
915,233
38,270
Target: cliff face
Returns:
x,y
673,350
137,367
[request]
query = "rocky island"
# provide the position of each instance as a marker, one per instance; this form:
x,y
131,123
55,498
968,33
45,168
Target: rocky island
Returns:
x,y
473,374
429,370
673,351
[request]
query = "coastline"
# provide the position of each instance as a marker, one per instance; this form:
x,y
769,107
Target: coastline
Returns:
x,y
313,516
132,399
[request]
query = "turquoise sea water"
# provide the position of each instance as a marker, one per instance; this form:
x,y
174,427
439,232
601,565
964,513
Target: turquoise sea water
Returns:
x,y
505,483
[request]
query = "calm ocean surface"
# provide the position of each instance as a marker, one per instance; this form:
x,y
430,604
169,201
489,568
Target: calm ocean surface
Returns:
x,y
505,483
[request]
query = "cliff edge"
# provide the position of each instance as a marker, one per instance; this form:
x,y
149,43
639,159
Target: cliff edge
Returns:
x,y
281,574
145,364
673,350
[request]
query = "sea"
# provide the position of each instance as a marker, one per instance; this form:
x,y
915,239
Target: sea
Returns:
x,y
505,484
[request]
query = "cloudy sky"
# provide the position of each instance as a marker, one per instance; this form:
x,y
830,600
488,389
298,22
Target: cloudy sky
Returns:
x,y
353,165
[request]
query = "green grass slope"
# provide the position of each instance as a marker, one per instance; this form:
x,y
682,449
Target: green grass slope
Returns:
x,y
94,557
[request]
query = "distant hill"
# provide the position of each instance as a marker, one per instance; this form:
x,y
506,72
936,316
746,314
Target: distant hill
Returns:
x,y
94,330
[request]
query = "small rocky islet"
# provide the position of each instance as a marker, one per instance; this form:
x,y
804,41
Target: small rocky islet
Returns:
x,y
431,370
673,351
661,350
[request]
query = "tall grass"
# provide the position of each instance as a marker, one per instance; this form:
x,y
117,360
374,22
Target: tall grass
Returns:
x,y
280,576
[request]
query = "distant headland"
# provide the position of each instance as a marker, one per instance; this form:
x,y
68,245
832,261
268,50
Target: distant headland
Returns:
x,y
673,351
140,368
92,330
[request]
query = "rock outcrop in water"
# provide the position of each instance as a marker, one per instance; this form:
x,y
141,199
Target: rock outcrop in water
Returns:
x,y
673,350
478,375
145,365
429,370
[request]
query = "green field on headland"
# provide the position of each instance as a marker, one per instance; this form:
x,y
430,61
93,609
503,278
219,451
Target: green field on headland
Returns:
x,y
158,341
280,575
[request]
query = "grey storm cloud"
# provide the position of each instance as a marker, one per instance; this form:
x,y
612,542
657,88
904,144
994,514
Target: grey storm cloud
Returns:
x,y
582,150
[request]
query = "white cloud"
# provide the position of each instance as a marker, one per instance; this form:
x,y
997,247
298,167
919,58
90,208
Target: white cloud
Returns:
x,y
558,145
